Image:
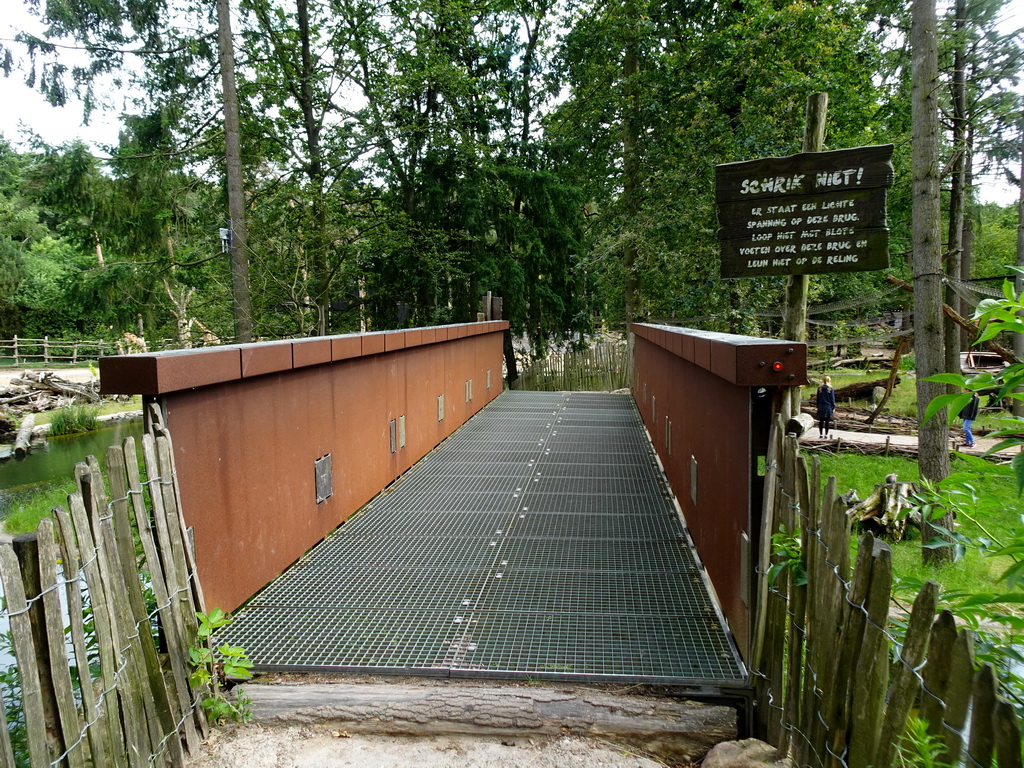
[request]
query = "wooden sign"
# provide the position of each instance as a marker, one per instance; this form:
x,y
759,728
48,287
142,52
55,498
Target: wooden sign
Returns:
x,y
814,212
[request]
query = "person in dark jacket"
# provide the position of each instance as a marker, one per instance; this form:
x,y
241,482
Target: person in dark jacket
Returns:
x,y
969,413
826,404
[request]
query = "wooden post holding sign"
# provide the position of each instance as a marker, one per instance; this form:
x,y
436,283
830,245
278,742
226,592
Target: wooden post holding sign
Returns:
x,y
810,213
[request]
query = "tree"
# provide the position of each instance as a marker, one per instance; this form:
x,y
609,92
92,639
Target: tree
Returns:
x,y
928,329
236,192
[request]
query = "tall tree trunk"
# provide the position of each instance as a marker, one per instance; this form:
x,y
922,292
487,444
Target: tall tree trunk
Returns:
x,y
797,286
967,258
927,246
631,160
1018,282
958,187
236,191
316,242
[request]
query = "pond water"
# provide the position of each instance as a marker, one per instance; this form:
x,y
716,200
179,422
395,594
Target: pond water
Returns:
x,y
52,464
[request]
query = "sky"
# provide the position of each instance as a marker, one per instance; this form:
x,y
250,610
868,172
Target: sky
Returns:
x,y
23,109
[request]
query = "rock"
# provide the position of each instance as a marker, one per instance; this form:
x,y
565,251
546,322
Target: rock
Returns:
x,y
749,753
877,394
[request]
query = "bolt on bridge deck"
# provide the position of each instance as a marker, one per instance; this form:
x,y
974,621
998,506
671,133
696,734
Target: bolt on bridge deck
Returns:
x,y
537,541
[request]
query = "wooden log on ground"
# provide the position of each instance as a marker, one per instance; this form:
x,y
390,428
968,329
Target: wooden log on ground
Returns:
x,y
677,731
799,424
23,442
51,382
861,390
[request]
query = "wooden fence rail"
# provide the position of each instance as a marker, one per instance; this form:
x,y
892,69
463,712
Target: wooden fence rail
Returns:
x,y
830,689
109,694
603,367
46,351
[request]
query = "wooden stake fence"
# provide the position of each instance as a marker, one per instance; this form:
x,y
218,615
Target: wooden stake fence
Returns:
x,y
603,367
827,689
114,698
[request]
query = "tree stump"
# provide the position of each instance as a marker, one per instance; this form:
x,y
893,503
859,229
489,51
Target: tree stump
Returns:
x,y
884,511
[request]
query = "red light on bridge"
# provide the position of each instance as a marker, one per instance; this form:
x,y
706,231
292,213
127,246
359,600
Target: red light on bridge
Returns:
x,y
776,366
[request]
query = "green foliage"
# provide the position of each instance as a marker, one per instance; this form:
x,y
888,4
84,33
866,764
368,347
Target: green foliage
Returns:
x,y
14,711
230,662
919,748
26,515
787,550
73,420
994,316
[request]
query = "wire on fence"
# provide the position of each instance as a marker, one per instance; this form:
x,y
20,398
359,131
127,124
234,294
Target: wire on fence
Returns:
x,y
824,738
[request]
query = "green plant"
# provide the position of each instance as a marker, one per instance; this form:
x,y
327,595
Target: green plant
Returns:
x,y
26,515
74,419
787,548
994,316
209,670
10,684
919,748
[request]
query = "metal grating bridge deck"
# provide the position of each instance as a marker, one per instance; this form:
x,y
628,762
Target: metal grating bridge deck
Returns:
x,y
537,541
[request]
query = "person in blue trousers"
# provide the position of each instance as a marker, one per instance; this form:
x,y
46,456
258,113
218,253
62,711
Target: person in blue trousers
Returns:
x,y
825,401
969,413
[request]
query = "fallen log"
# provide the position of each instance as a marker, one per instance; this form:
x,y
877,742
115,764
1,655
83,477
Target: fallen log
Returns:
x,y
676,730
53,383
23,442
861,390
799,424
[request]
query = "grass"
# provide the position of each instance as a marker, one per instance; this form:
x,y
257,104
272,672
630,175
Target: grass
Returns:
x,y
25,518
73,420
103,409
998,512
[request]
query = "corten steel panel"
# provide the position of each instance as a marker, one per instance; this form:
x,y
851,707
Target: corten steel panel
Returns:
x,y
709,402
754,364
265,357
723,360
311,352
373,343
394,340
247,484
702,352
245,454
745,360
711,424
345,347
157,372
424,381
687,346
676,344
413,337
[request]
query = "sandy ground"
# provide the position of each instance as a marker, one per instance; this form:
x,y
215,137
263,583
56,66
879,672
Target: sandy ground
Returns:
x,y
253,746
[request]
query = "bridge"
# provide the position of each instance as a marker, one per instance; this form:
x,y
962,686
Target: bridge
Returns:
x,y
375,503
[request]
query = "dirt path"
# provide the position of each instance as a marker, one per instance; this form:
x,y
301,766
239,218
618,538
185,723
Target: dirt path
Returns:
x,y
254,746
